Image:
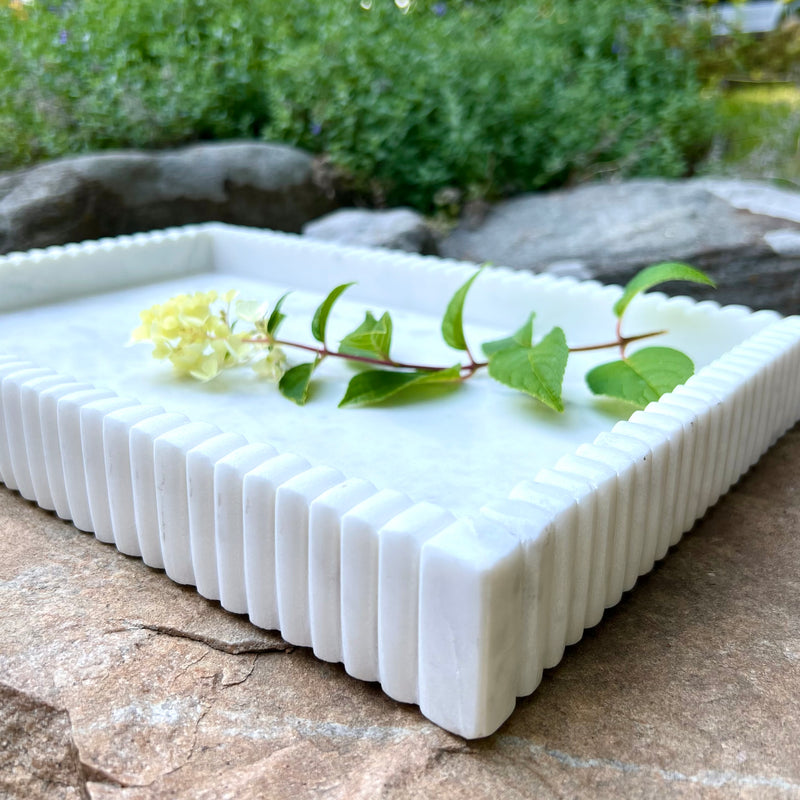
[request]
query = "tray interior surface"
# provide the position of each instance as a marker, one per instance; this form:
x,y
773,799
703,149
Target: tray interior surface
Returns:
x,y
459,449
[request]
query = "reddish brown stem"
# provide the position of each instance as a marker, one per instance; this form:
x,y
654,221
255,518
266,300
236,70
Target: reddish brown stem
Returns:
x,y
469,369
621,342
323,352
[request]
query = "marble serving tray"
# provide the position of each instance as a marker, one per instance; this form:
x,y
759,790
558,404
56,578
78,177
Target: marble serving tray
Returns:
x,y
449,549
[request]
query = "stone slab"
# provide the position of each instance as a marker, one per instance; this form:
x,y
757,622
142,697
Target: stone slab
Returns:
x,y
116,683
395,229
113,193
608,231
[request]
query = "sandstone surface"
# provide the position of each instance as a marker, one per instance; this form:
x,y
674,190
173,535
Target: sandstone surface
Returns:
x,y
116,684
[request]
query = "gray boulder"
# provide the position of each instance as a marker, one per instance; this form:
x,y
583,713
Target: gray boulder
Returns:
x,y
113,193
396,229
742,233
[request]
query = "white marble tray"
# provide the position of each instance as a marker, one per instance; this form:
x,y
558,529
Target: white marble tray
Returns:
x,y
450,549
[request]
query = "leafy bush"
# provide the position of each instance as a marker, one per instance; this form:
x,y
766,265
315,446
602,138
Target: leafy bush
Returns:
x,y
487,96
115,73
543,93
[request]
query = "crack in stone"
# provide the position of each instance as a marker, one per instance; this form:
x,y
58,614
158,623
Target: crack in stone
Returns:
x,y
91,774
248,647
438,752
404,775
81,773
185,669
34,725
94,774
242,680
192,748
196,732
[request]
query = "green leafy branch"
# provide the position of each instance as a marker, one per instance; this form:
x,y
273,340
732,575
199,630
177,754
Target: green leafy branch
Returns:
x,y
201,341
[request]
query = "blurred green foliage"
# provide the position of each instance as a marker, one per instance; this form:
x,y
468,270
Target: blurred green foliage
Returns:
x,y
492,103
758,133
772,56
488,96
755,82
95,74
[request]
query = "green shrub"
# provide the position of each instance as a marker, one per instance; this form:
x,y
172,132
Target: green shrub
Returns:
x,y
541,94
487,96
117,73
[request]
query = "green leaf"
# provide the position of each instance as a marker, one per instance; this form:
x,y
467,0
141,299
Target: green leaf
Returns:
x,y
643,376
376,385
295,382
453,322
520,338
320,320
276,317
659,273
537,370
372,338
